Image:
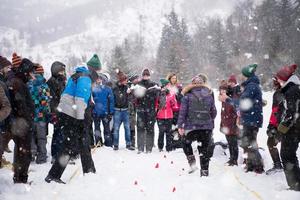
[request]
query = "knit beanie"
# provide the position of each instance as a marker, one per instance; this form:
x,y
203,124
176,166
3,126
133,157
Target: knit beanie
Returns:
x,y
26,66
286,72
57,67
164,82
232,79
38,69
200,79
16,60
249,70
146,72
4,62
94,62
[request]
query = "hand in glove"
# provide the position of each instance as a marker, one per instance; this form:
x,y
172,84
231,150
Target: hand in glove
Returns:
x,y
271,131
283,129
109,117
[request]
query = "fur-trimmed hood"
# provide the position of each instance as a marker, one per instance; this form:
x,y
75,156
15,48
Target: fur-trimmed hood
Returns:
x,y
190,87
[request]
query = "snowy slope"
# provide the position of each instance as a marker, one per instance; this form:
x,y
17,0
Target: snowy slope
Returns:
x,y
127,175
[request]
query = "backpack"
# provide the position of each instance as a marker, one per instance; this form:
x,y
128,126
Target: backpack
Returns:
x,y
199,110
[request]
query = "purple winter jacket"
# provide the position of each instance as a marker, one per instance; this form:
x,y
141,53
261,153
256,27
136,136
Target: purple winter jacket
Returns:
x,y
197,110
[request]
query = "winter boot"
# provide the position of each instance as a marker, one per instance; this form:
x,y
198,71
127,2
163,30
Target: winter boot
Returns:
x,y
231,163
203,172
49,178
129,147
192,162
276,168
116,148
7,149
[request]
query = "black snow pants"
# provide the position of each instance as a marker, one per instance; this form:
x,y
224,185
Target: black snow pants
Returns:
x,y
76,141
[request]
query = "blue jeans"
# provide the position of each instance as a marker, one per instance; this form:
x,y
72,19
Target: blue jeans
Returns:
x,y
119,117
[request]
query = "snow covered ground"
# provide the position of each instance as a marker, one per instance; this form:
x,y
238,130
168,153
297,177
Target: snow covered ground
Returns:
x,y
124,174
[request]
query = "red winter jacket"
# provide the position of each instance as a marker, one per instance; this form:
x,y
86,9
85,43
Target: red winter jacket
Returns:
x,y
170,107
228,120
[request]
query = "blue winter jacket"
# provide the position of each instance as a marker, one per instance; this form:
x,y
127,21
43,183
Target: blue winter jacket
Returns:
x,y
76,95
251,103
104,100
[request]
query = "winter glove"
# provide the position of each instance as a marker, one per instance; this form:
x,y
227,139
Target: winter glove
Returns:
x,y
109,117
53,118
271,131
282,129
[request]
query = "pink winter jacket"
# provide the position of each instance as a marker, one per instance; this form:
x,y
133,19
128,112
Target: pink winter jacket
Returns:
x,y
167,111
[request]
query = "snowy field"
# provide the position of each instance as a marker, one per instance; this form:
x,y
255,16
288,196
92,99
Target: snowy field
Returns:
x,y
125,175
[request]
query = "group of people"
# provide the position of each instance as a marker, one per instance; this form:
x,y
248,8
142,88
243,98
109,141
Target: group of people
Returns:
x,y
242,116
78,105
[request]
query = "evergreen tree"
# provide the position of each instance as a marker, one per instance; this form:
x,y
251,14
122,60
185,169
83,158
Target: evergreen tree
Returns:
x,y
175,49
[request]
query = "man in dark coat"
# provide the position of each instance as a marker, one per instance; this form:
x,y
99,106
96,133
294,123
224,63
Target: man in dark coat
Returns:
x,y
146,92
133,80
196,121
274,137
5,107
56,83
289,125
21,118
94,65
121,115
250,107
72,107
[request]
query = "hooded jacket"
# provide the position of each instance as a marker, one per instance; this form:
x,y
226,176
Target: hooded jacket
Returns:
x,y
76,95
104,100
40,95
250,103
197,110
290,118
169,108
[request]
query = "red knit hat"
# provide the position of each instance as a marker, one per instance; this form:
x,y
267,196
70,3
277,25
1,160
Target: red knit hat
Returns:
x,y
232,79
286,72
38,69
16,60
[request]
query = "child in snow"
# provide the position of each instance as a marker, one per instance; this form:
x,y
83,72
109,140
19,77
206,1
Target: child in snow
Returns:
x,y
289,125
146,92
103,110
166,105
40,95
196,121
274,136
56,83
250,106
121,115
229,120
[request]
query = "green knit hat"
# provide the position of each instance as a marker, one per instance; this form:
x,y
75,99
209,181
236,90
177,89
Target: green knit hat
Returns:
x,y
249,70
164,82
94,62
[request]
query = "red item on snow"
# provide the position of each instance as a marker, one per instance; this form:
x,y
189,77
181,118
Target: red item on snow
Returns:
x,y
174,189
135,183
286,72
157,165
